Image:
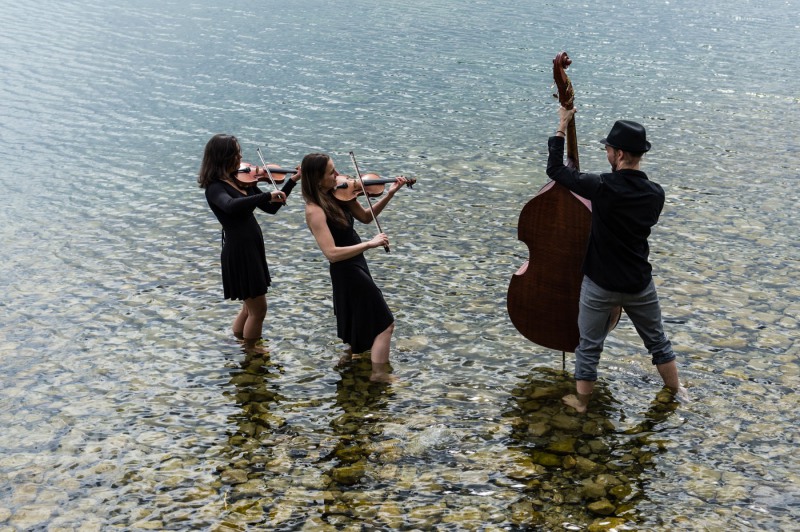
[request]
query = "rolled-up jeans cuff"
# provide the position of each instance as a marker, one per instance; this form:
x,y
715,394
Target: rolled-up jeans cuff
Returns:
x,y
585,374
663,358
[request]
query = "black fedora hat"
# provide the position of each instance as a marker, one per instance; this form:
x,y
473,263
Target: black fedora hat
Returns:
x,y
627,135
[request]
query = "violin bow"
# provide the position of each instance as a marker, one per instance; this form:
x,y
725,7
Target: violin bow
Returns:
x,y
269,174
371,210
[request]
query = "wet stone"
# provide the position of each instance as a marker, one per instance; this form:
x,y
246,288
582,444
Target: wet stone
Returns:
x,y
31,516
593,490
608,480
620,492
586,466
592,428
598,447
349,475
545,459
607,523
350,454
523,514
234,476
391,514
539,429
564,446
601,507
465,516
568,423
427,516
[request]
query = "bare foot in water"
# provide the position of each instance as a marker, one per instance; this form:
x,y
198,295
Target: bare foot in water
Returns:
x,y
573,402
254,347
380,373
383,377
682,396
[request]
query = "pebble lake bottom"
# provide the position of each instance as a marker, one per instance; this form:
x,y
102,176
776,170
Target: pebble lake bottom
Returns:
x,y
125,402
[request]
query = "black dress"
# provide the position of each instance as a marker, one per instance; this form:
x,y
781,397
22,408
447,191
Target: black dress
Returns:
x,y
361,312
244,262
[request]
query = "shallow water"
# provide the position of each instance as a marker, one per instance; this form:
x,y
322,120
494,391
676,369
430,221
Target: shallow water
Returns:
x,y
126,403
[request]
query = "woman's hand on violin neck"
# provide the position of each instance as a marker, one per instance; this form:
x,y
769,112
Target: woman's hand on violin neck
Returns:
x,y
398,183
380,240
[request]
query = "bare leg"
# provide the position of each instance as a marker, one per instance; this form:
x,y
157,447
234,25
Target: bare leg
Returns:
x,y
238,323
380,356
256,310
669,374
580,401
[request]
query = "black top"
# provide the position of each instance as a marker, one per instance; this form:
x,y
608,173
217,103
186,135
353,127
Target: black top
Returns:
x,y
625,206
245,273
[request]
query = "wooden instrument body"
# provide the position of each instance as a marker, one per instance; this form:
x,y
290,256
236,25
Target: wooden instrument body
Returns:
x,y
543,294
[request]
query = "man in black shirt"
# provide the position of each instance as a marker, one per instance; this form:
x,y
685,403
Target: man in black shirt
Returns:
x,y
617,273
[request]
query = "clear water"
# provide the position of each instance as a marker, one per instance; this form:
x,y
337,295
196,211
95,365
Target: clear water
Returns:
x,y
125,403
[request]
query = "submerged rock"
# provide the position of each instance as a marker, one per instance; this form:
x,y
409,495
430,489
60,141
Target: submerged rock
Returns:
x,y
601,507
349,474
564,446
607,523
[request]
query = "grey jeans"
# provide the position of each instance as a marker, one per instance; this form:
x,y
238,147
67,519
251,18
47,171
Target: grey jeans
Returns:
x,y
596,307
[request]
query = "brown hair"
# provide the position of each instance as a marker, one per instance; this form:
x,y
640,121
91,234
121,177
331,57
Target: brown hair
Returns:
x,y
313,169
220,160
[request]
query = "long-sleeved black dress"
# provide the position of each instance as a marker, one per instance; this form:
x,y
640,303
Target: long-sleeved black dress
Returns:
x,y
245,273
361,312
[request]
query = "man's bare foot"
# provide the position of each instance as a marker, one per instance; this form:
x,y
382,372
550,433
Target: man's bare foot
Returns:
x,y
682,396
574,402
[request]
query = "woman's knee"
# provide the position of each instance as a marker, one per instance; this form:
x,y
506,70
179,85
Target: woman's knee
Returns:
x,y
256,307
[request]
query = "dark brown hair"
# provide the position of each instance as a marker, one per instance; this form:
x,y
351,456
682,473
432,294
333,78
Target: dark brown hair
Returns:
x,y
313,169
220,160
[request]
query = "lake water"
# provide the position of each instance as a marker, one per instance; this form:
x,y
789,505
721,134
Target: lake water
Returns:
x,y
125,402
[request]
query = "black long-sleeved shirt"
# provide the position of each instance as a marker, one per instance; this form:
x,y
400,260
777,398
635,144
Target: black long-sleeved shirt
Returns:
x,y
625,207
235,212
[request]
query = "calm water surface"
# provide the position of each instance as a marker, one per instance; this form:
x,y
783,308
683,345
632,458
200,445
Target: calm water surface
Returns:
x,y
125,403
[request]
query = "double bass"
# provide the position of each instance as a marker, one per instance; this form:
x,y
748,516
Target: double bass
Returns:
x,y
543,294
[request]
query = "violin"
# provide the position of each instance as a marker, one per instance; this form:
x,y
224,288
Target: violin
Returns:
x,y
348,188
247,173
543,296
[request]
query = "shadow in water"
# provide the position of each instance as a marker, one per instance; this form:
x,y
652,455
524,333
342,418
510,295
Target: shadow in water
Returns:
x,y
359,432
581,469
258,424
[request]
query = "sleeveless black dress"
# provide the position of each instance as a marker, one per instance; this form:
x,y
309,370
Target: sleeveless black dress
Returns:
x,y
361,312
245,273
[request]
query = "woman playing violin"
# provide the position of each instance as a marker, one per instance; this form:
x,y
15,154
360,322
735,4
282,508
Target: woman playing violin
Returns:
x,y
363,319
245,275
